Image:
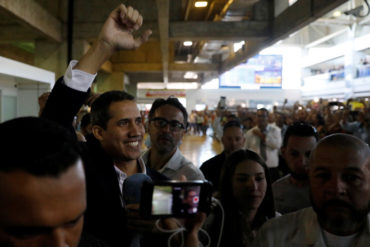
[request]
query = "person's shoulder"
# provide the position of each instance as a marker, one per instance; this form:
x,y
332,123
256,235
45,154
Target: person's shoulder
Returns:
x,y
281,181
249,133
273,127
155,176
251,129
212,160
191,171
287,223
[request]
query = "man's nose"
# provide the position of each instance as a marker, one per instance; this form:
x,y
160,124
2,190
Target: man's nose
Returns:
x,y
57,238
336,186
134,129
301,159
166,127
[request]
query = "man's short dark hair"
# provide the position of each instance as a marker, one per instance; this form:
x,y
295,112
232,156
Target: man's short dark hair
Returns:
x,y
232,123
37,146
85,120
169,101
263,110
300,129
100,107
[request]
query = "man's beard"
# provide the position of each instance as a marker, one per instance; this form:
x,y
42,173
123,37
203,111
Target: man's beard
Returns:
x,y
348,224
165,148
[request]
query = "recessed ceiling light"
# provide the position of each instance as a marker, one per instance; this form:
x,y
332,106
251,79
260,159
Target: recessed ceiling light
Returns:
x,y
201,4
337,13
188,43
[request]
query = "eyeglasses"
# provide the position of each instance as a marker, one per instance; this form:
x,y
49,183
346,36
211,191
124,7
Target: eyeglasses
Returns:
x,y
161,123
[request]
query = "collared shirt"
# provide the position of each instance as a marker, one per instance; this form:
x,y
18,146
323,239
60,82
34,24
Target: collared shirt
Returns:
x,y
177,165
121,176
273,143
301,229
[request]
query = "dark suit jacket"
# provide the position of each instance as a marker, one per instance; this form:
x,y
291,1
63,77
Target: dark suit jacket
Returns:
x,y
212,169
105,218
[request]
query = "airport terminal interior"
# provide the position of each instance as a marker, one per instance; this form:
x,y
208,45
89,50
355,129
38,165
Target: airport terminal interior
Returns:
x,y
223,58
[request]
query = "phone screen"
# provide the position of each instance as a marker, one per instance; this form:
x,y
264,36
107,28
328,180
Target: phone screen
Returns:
x,y
175,200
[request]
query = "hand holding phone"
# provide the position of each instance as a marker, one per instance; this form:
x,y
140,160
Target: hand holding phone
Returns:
x,y
175,198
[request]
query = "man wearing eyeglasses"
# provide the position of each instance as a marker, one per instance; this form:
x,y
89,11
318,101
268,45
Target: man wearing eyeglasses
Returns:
x,y
168,121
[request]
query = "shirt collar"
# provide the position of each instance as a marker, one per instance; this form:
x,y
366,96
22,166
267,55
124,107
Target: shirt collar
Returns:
x,y
141,168
174,163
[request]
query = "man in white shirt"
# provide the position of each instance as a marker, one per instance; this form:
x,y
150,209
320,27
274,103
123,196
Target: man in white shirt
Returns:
x,y
168,121
339,178
265,139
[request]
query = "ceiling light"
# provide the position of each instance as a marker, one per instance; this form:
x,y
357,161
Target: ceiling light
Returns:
x,y
188,43
337,13
201,4
238,46
191,75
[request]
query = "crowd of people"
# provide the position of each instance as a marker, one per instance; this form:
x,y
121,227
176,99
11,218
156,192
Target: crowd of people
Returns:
x,y
352,117
299,178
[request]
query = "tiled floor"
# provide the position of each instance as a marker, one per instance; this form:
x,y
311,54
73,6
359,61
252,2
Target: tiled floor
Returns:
x,y
199,148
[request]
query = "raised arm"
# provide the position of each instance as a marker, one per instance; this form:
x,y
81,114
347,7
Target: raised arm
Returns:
x,y
116,34
70,92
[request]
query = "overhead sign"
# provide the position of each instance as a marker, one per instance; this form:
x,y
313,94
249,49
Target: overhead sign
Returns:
x,y
162,93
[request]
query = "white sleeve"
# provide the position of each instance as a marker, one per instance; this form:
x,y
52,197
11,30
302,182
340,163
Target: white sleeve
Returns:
x,y
77,79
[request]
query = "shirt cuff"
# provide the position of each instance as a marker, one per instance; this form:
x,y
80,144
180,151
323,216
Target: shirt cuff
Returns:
x,y
77,79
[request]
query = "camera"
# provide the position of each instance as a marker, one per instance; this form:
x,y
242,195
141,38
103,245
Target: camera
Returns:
x,y
175,198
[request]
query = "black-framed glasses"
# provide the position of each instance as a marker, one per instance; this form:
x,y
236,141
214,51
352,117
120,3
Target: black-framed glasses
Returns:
x,y
162,122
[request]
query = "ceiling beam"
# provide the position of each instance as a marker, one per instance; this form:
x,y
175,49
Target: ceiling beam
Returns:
x,y
31,14
208,30
251,49
300,14
163,8
157,77
90,30
326,38
199,30
16,33
157,67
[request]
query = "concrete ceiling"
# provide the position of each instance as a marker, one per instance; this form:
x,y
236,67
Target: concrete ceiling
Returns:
x,y
164,58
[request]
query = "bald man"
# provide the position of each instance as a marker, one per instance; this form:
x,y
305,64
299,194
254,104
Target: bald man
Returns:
x,y
339,179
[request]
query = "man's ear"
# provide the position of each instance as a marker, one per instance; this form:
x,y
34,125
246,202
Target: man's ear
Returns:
x,y
98,132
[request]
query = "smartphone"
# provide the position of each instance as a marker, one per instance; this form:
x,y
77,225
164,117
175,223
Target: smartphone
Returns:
x,y
222,102
175,198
